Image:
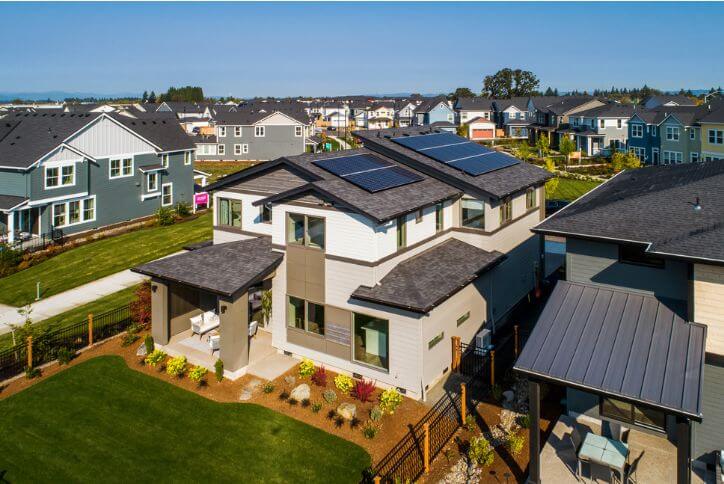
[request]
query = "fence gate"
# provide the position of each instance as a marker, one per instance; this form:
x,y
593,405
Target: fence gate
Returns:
x,y
472,361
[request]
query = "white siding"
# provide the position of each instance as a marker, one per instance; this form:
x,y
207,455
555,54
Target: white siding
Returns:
x,y
63,154
105,138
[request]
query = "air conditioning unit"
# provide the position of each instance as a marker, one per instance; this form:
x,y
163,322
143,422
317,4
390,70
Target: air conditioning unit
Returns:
x,y
483,341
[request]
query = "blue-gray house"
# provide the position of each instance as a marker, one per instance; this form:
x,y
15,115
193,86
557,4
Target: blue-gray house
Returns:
x,y
643,135
434,110
64,173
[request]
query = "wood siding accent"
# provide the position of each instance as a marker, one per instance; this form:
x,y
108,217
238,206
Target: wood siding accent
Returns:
x,y
708,435
305,273
183,304
709,304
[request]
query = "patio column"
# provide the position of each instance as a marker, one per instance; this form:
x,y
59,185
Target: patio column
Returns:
x,y
159,311
534,432
234,332
683,451
11,227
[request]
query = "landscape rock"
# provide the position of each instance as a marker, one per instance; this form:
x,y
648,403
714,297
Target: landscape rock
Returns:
x,y
289,380
347,411
141,351
300,393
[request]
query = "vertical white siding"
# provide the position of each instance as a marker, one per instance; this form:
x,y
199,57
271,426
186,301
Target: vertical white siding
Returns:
x,y
105,138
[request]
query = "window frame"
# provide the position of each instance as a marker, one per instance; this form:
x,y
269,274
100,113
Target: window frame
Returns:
x,y
298,131
632,419
244,148
222,131
59,176
265,208
221,149
237,131
163,194
401,233
153,174
694,157
165,160
531,194
260,131
306,237
187,158
692,134
439,217
305,317
717,138
219,203
237,149
462,211
66,212
673,133
506,211
387,342
435,340
637,130
121,167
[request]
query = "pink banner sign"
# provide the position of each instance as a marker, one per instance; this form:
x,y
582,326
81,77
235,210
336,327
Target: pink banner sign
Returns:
x,y
201,199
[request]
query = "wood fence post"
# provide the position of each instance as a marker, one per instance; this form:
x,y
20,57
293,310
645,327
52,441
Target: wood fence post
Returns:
x,y
463,403
455,353
29,351
427,447
492,368
90,329
516,340
378,479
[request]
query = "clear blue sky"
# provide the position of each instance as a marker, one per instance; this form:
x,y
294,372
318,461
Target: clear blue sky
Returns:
x,y
278,49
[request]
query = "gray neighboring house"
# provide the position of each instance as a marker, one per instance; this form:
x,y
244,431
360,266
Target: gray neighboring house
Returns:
x,y
668,100
66,173
595,130
636,332
250,134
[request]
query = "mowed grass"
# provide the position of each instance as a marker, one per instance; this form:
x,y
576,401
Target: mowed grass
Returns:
x,y
570,189
100,420
76,315
99,259
219,169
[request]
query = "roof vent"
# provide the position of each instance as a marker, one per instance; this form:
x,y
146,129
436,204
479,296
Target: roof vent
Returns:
x,y
697,205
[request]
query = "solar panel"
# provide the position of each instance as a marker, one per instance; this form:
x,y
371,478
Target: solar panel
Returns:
x,y
457,152
368,172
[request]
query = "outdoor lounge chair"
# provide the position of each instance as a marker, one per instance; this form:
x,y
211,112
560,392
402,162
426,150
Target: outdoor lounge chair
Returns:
x,y
253,326
214,342
203,323
576,441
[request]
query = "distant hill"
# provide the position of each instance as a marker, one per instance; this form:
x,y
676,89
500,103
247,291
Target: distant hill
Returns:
x,y
60,95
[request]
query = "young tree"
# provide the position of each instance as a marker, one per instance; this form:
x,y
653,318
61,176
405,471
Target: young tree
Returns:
x,y
140,307
543,143
567,147
624,161
551,184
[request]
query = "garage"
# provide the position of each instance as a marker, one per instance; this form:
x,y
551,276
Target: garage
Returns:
x,y
482,133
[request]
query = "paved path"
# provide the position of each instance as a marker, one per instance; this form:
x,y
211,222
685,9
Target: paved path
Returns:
x,y
341,142
65,301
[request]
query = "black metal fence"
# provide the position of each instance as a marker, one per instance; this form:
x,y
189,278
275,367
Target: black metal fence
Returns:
x,y
73,337
39,242
406,461
473,361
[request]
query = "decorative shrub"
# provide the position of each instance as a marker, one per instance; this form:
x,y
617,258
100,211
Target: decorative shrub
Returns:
x,y
148,343
283,395
481,453
292,401
524,421
319,377
183,209
316,407
390,400
370,430
176,366
155,357
497,392
219,370
129,339
363,390
305,403
197,374
10,260
306,368
268,387
343,383
165,216
515,443
329,396
470,423
65,355
376,413
32,372
140,307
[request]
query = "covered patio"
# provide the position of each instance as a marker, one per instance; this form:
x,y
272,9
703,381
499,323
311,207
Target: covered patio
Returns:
x,y
632,367
206,303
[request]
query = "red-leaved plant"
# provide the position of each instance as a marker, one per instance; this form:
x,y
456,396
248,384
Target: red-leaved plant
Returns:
x,y
141,305
319,377
363,390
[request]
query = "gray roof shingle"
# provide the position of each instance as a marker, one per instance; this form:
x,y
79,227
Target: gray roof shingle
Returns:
x,y
653,205
10,201
618,343
427,279
224,269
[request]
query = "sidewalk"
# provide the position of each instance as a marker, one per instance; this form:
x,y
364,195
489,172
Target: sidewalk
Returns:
x,y
46,308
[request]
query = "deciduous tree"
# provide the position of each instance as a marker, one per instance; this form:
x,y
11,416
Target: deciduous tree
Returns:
x,y
507,83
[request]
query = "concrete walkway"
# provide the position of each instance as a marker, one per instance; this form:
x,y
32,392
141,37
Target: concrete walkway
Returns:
x,y
341,142
65,301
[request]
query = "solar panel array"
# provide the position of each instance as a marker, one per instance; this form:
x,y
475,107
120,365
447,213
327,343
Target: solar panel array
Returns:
x,y
368,172
457,152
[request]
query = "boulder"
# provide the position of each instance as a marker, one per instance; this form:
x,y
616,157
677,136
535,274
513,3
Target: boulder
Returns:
x,y
289,380
141,351
300,393
347,411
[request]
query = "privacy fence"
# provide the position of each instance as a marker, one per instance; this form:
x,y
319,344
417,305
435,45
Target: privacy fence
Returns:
x,y
34,352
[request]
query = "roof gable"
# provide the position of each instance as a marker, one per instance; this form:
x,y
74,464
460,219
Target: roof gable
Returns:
x,y
105,137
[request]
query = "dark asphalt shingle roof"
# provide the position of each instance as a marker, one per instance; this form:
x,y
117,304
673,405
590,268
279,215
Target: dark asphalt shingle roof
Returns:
x,y
715,115
10,201
224,269
429,278
431,103
245,116
474,104
612,110
162,131
618,343
495,184
653,205
676,98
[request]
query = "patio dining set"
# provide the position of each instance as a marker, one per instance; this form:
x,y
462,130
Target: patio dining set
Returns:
x,y
603,453
208,323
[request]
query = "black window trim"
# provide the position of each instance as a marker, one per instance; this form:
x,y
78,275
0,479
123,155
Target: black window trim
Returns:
x,y
632,420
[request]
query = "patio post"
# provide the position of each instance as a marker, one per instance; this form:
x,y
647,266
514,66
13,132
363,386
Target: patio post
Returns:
x,y
683,451
455,353
463,403
534,432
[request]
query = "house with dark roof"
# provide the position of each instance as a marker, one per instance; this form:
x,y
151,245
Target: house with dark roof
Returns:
x,y
372,258
643,135
551,113
469,108
635,333
598,130
404,112
680,135
668,100
712,133
513,116
434,110
64,173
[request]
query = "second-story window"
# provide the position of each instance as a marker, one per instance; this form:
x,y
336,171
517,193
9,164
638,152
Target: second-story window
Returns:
x,y
164,160
692,133
506,211
187,158
237,131
716,136
439,218
637,131
602,123
305,230
121,167
531,200
619,123
654,130
401,232
222,131
472,213
259,131
298,131
59,176
672,133
265,214
229,213
152,182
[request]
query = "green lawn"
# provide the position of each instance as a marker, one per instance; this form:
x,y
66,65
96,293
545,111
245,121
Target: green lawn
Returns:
x,y
99,306
98,259
219,169
570,189
102,420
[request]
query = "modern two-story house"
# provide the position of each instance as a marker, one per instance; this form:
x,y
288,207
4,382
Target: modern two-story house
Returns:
x,y
374,257
67,173
712,134
552,113
434,110
598,129
635,333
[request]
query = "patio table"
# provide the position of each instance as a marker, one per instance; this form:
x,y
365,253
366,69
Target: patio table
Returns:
x,y
601,450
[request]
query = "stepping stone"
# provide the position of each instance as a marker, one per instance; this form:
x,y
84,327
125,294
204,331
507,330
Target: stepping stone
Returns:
x,y
253,384
245,395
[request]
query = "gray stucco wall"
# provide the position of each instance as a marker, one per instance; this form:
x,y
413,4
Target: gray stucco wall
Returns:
x,y
279,140
597,263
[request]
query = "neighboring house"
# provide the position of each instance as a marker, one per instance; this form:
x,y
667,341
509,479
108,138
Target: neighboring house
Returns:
x,y
636,331
380,115
67,173
184,110
513,116
668,100
371,270
712,134
434,110
469,108
404,113
598,129
644,138
254,135
479,129
551,113
680,135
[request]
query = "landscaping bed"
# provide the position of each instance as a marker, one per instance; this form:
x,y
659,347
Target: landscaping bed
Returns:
x,y
219,169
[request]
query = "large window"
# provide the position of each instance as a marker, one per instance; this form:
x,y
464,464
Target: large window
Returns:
x,y
74,212
167,194
371,340
305,230
531,199
506,211
637,130
401,232
305,315
229,212
259,131
121,167
59,176
672,133
633,414
716,136
473,213
670,157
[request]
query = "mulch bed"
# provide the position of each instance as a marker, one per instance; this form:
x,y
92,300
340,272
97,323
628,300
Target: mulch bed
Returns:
x,y
392,427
